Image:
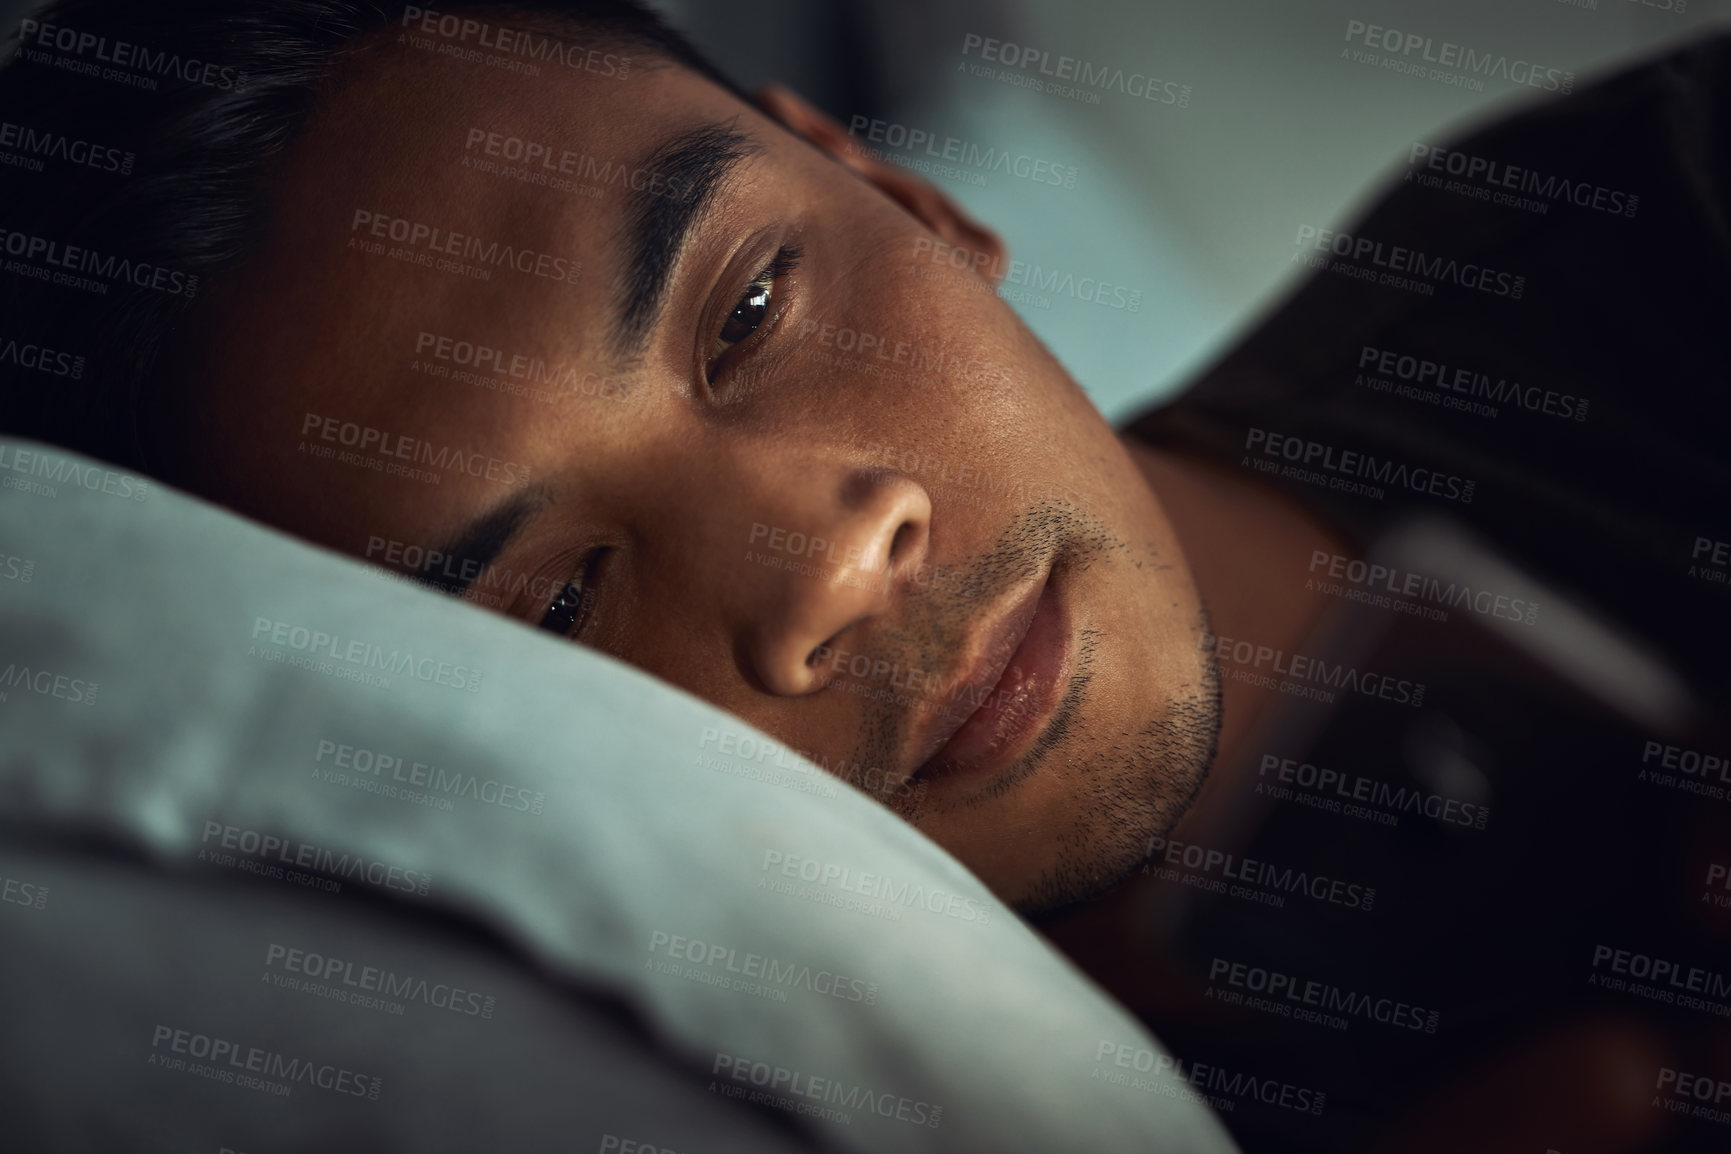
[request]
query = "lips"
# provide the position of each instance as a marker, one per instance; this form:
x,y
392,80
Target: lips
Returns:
x,y
987,721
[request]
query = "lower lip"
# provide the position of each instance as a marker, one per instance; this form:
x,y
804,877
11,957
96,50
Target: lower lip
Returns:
x,y
1004,725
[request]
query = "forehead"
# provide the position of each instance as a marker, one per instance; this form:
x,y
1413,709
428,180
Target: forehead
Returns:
x,y
424,105
442,265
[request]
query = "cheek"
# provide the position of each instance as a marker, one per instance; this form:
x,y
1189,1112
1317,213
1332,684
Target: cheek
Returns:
x,y
916,361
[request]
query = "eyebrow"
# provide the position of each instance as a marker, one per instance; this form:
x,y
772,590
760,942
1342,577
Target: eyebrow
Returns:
x,y
479,544
685,173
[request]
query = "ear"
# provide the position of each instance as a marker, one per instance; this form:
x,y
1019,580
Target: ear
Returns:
x,y
925,201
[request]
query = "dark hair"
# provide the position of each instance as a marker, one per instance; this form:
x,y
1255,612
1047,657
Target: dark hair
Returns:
x,y
133,138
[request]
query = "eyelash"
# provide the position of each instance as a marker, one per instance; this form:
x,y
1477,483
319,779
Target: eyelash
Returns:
x,y
579,608
785,261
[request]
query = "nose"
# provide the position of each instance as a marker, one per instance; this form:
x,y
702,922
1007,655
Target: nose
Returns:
x,y
857,547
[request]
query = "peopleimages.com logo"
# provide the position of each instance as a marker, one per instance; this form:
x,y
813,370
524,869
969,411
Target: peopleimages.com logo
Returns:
x,y
799,1092
226,1060
139,65
1321,1003
946,149
1349,470
269,847
1445,61
344,980
291,636
52,470
40,358
471,255
1070,77
86,269
1414,270
518,50
1139,1068
831,883
27,146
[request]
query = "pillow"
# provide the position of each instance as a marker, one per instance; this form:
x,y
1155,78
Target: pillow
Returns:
x,y
196,704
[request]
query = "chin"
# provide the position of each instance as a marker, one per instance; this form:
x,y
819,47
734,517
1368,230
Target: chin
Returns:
x,y
1121,800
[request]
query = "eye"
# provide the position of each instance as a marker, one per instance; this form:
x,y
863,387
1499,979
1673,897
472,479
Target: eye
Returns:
x,y
753,307
571,608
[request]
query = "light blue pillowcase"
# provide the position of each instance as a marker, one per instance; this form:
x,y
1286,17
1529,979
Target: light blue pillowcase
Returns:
x,y
195,686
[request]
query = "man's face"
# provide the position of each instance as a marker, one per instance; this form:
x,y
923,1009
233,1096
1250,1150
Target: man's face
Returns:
x,y
814,473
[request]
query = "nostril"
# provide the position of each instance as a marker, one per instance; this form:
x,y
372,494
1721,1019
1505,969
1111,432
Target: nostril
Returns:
x,y
903,540
818,654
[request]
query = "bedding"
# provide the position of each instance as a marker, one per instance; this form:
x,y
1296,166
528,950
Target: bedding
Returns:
x,y
298,855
